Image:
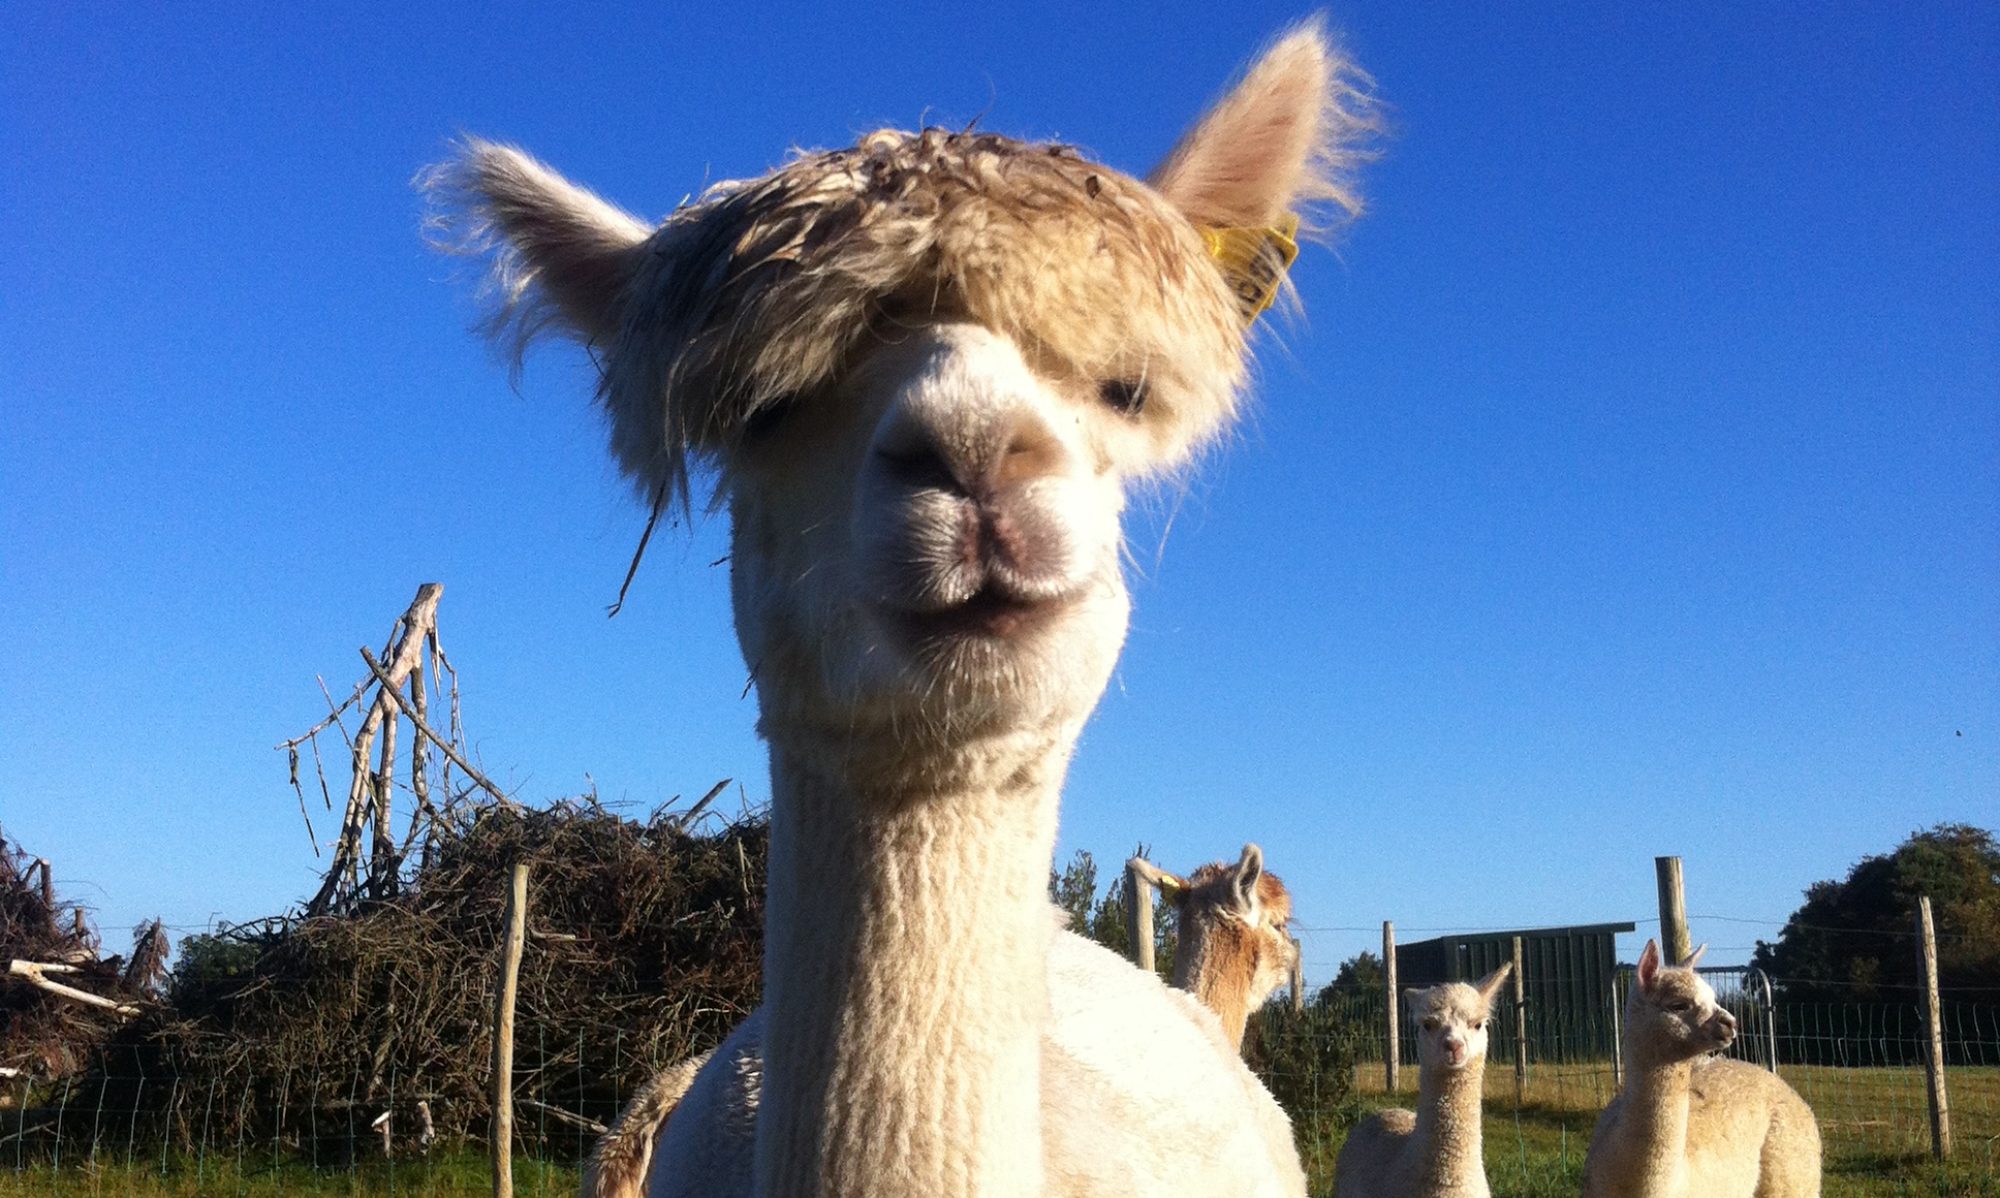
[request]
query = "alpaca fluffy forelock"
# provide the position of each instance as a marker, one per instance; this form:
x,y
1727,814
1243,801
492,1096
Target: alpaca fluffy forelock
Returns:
x,y
764,292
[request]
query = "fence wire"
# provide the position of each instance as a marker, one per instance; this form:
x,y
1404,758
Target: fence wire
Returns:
x,y
1859,1065
117,1124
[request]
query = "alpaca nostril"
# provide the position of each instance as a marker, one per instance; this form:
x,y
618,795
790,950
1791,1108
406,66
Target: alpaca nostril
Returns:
x,y
1032,451
918,465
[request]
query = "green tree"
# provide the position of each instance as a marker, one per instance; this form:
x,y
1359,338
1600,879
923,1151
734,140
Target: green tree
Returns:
x,y
1363,970
1074,889
1852,939
1102,918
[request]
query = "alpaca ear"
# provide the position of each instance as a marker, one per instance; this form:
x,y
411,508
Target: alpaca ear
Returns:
x,y
1249,872
1649,965
1280,140
1694,957
1489,986
560,254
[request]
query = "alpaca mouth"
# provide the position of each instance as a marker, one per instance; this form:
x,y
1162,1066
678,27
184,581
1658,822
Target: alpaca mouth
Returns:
x,y
990,614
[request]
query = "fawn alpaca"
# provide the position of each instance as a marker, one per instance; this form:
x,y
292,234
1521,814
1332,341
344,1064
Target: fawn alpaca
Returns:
x,y
1689,1124
1234,950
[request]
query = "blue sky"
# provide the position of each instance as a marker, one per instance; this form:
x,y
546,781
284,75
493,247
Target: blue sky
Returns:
x,y
1631,485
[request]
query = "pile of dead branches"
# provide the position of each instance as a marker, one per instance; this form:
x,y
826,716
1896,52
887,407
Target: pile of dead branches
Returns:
x,y
644,946
59,999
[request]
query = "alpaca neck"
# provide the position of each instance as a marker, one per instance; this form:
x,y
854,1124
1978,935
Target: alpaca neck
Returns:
x,y
1207,970
1234,1012
1656,1106
1449,1115
905,970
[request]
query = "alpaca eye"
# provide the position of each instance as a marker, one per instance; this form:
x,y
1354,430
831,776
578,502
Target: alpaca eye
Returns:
x,y
1123,395
760,424
1479,1025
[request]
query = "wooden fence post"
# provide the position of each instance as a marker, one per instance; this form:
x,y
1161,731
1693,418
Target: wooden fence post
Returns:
x,y
1674,943
1617,1035
1298,978
1392,1053
503,1035
1520,992
1139,917
1933,1025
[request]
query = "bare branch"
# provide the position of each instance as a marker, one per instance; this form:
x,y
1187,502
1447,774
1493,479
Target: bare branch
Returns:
x,y
444,746
34,972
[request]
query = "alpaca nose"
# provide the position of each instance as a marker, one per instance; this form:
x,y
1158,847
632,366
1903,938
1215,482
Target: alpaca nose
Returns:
x,y
978,464
971,420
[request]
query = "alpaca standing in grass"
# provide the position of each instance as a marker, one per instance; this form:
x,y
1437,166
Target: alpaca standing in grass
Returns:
x,y
1234,951
1437,1151
1689,1124
926,369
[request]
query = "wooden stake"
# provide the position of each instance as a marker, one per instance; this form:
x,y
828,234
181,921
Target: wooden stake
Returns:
x,y
1298,979
1933,1024
1139,917
1674,943
1520,989
1392,1052
1617,1036
503,1035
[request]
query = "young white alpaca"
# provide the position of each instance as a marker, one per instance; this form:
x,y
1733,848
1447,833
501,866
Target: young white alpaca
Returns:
x,y
1436,1152
1234,951
926,368
1688,1124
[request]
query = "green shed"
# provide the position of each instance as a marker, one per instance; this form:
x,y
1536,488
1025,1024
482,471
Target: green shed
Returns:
x,y
1570,985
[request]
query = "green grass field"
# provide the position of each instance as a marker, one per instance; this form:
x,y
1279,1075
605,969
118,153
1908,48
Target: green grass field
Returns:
x,y
1874,1122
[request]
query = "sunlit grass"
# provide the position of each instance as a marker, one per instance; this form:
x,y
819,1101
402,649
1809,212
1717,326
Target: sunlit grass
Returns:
x,y
449,1175
1874,1121
1875,1125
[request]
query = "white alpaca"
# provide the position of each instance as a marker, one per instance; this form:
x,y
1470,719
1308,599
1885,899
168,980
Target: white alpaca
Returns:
x,y
926,368
1234,951
1689,1124
1437,1151
1233,954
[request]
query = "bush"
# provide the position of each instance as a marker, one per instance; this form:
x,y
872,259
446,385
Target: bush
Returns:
x,y
1306,1060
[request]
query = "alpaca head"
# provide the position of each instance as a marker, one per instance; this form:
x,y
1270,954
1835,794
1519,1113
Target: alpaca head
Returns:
x,y
1234,949
1453,1020
924,371
1671,1013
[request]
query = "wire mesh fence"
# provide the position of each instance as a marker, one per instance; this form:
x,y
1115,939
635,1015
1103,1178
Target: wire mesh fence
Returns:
x,y
1858,1064
120,1126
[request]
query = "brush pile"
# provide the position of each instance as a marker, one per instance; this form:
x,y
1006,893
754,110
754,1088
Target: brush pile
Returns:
x,y
59,999
644,946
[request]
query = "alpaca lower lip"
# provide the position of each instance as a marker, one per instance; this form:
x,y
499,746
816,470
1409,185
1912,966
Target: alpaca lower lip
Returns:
x,y
988,614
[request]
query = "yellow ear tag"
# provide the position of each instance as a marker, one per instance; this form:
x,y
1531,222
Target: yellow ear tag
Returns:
x,y
1255,261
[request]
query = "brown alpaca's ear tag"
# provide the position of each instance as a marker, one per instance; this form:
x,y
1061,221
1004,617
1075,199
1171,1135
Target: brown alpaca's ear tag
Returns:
x,y
1255,261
